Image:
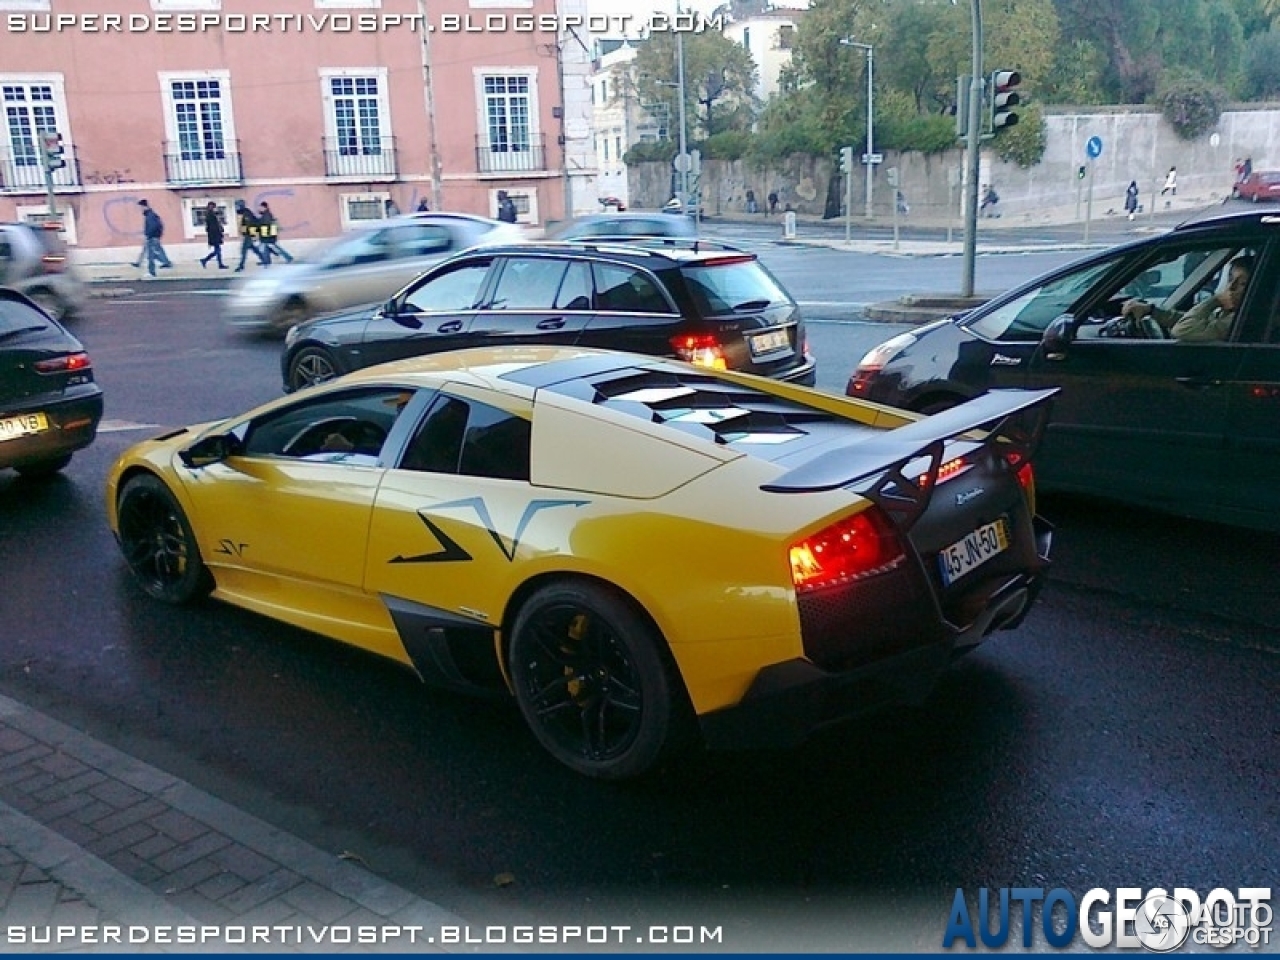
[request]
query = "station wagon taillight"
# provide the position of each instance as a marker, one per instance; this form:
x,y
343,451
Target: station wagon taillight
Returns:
x,y
702,349
72,361
853,548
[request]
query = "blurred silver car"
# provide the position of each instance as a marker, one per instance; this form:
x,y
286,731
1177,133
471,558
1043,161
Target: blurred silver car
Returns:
x,y
365,265
34,261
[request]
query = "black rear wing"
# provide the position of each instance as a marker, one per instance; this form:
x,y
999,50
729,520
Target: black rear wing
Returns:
x,y
1015,419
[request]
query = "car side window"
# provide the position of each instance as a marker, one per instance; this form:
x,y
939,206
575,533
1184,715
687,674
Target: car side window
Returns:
x,y
1026,317
455,289
423,239
528,284
627,290
575,289
346,427
470,438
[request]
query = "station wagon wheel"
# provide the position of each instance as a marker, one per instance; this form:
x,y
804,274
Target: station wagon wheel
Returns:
x,y
158,542
311,365
592,683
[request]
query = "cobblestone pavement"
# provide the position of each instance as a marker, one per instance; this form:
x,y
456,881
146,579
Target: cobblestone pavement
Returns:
x,y
93,838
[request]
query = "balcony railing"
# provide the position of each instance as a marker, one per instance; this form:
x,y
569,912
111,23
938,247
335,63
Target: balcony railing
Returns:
x,y
373,160
517,157
186,167
22,171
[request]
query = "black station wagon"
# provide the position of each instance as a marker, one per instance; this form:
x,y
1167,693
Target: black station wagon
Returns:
x,y
1191,427
699,301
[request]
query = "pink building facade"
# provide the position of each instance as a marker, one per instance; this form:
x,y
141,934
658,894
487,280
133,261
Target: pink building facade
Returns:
x,y
328,109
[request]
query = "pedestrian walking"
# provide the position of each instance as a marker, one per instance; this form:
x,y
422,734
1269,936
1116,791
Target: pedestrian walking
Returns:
x,y
423,206
751,201
900,199
990,202
506,208
214,231
1131,198
247,224
269,235
1170,182
773,202
152,231
391,208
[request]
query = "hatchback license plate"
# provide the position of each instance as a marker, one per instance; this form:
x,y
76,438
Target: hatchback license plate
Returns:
x,y
973,550
771,341
11,428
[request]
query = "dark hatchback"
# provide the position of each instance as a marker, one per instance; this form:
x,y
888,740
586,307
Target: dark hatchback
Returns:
x,y
702,302
50,405
1191,428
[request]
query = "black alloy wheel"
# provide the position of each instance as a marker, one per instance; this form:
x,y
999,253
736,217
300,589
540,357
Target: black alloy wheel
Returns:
x,y
311,365
159,544
591,680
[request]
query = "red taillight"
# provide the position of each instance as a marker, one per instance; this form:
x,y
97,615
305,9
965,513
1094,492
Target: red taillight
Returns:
x,y
948,471
72,361
53,263
853,548
1022,469
703,349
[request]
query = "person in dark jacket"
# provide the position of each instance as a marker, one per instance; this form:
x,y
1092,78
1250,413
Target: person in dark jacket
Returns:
x,y
1131,199
152,231
506,208
247,224
269,234
215,232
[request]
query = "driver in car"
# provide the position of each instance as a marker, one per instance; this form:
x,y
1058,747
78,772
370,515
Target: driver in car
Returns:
x,y
1209,320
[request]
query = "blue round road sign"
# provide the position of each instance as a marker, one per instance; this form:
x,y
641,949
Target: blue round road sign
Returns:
x,y
1094,147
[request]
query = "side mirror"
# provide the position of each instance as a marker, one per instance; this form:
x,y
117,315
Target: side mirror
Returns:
x,y
1057,337
404,316
210,450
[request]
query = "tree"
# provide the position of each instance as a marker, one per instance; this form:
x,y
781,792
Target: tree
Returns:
x,y
1262,66
720,79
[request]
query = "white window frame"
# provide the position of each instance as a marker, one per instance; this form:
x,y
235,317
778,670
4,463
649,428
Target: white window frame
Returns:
x,y
480,74
530,197
359,166
228,167
39,214
196,231
345,201
32,176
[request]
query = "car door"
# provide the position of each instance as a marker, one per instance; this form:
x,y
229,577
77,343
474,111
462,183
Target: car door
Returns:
x,y
1141,418
287,518
632,311
535,299
416,247
431,315
358,271
1250,472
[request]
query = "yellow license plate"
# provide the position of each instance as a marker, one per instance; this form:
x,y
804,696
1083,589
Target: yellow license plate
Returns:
x,y
973,550
771,341
11,428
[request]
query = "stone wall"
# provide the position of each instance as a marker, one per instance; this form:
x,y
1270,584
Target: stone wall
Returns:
x,y
1137,144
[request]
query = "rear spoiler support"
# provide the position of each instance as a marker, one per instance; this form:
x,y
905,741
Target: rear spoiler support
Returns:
x,y
874,468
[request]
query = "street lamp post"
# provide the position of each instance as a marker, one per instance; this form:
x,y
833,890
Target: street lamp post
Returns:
x,y
684,151
972,156
871,113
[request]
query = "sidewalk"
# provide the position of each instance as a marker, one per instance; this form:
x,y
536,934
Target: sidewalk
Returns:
x,y
93,838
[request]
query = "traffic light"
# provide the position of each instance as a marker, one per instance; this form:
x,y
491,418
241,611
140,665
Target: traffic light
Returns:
x,y
51,147
846,159
1004,98
1080,172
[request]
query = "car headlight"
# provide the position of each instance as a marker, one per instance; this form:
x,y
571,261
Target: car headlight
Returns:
x,y
878,356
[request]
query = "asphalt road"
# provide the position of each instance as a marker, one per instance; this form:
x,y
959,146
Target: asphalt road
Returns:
x,y
1126,735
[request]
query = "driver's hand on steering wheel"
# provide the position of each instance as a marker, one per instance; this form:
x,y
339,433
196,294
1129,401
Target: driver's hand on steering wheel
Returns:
x,y
1135,308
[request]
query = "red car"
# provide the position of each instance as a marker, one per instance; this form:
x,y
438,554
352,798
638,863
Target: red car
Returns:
x,y
1260,185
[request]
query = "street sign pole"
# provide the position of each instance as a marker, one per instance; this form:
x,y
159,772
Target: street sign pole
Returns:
x,y
1088,207
848,206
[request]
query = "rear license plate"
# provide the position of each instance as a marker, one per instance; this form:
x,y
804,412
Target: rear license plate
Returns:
x,y
973,550
28,423
771,341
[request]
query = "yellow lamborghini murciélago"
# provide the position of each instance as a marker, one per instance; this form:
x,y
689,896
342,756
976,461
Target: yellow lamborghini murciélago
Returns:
x,y
637,549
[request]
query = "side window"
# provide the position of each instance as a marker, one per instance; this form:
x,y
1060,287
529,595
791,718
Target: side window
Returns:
x,y
1180,278
575,289
628,290
470,438
422,239
528,284
346,427
1026,317
453,290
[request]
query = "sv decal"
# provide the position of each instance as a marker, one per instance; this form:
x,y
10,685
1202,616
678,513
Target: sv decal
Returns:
x,y
451,551
231,548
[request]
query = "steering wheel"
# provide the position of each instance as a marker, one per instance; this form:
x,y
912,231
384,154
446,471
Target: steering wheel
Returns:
x,y
344,434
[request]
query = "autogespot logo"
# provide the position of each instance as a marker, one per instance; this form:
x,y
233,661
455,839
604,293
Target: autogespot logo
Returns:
x,y
1154,920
